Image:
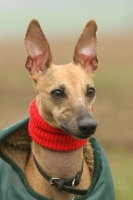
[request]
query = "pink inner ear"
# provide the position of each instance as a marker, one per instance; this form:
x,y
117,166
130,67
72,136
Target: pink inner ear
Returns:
x,y
37,57
34,50
38,62
88,62
35,64
88,58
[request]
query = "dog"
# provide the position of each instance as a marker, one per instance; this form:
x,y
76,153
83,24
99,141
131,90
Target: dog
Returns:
x,y
60,145
65,97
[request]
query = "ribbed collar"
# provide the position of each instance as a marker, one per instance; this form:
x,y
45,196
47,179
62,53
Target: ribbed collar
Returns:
x,y
49,137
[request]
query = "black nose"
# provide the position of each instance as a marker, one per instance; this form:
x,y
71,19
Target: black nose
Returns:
x,y
87,126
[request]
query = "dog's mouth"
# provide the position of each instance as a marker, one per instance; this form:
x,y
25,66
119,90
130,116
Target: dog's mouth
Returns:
x,y
81,137
85,134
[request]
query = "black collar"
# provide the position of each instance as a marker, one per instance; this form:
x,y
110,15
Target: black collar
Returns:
x,y
62,184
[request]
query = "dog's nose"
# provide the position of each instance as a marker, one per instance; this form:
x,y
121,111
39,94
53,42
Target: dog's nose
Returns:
x,y
87,126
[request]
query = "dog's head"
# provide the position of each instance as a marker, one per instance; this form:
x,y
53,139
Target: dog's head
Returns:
x,y
65,93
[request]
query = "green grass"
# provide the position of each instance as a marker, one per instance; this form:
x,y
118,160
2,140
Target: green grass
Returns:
x,y
106,78
121,164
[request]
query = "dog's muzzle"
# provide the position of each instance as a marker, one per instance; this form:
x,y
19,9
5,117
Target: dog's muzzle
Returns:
x,y
87,126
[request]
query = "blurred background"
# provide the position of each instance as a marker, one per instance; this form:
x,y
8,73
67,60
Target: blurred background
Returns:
x,y
62,23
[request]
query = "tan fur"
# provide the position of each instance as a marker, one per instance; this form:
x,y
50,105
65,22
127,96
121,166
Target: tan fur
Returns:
x,y
17,147
71,83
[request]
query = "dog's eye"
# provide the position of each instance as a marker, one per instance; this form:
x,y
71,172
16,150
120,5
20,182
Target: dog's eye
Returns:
x,y
90,92
57,94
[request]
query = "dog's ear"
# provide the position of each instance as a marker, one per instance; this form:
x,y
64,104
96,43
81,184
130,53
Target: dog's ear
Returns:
x,y
86,48
39,54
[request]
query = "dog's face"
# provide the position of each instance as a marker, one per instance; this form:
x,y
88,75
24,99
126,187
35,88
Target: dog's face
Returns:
x,y
65,92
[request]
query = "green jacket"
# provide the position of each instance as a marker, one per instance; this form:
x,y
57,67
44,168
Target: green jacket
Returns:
x,y
13,183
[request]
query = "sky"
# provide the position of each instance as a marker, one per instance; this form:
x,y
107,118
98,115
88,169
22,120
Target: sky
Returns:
x,y
65,17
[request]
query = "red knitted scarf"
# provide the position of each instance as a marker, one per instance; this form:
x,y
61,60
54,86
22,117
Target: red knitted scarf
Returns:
x,y
49,137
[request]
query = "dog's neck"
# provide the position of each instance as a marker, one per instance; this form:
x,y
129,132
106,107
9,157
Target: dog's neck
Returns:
x,y
56,164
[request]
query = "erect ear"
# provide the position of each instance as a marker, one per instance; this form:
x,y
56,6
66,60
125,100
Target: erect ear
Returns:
x,y
86,48
39,54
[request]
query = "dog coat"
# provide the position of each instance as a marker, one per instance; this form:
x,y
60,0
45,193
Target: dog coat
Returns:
x,y
15,146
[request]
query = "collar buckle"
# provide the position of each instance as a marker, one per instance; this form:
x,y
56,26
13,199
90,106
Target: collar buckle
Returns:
x,y
73,182
52,181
